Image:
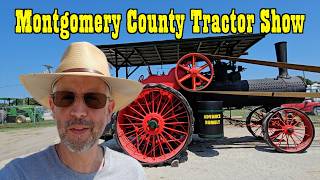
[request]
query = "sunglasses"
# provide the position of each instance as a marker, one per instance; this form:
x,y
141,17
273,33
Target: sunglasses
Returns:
x,y
91,99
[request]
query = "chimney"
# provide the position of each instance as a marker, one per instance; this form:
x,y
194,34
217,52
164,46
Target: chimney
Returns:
x,y
281,51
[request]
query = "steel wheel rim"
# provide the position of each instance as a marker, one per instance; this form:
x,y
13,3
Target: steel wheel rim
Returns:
x,y
254,121
290,130
191,71
154,131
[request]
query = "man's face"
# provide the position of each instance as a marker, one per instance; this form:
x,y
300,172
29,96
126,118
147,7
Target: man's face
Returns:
x,y
80,126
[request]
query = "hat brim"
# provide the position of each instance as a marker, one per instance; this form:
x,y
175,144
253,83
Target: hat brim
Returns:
x,y
123,91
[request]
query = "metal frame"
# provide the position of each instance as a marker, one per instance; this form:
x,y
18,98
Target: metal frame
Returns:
x,y
170,51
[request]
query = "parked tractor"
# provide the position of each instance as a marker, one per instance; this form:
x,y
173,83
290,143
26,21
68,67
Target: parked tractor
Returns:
x,y
14,113
157,127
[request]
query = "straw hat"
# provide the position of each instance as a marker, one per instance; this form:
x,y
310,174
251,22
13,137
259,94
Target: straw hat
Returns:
x,y
82,59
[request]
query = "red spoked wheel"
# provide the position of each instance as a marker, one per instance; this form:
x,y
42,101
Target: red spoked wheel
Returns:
x,y
288,130
254,121
157,126
194,66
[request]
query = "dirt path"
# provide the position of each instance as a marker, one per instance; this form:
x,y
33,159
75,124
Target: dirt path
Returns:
x,y
237,156
21,142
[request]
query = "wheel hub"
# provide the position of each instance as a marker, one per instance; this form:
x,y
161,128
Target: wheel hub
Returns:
x,y
153,124
193,71
288,129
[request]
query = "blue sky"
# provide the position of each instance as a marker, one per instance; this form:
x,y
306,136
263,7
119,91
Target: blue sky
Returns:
x,y
22,54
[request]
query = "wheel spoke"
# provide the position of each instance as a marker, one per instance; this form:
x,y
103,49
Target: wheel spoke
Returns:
x,y
152,102
145,148
175,130
176,123
294,141
287,140
193,61
171,109
300,128
160,145
297,136
141,108
259,115
202,67
275,129
302,134
194,83
147,104
137,139
159,103
127,115
164,106
202,77
282,137
174,116
153,147
167,143
281,118
296,123
184,67
257,129
136,111
275,135
172,138
135,130
185,78
129,124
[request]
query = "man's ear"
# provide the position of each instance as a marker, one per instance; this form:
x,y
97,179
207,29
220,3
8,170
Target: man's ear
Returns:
x,y
51,105
111,106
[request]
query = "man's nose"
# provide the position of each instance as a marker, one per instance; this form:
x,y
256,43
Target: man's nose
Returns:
x,y
79,108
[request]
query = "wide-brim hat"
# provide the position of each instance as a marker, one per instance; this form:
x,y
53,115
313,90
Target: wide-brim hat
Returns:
x,y
82,59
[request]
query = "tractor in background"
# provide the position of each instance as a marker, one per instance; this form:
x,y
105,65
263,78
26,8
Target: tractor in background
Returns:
x,y
15,110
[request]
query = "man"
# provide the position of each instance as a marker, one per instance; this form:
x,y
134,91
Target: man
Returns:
x,y
82,97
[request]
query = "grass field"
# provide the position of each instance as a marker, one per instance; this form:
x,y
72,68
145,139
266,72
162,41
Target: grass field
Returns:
x,y
240,114
244,113
15,126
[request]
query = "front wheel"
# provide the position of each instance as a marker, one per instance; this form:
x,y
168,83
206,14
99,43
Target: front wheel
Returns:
x,y
288,130
21,119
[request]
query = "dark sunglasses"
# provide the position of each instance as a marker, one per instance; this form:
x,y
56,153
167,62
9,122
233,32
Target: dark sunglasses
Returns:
x,y
91,99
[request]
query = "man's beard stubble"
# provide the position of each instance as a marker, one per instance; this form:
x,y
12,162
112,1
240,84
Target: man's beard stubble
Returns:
x,y
77,145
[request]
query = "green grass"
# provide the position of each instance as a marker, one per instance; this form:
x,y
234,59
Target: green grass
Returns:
x,y
244,113
14,126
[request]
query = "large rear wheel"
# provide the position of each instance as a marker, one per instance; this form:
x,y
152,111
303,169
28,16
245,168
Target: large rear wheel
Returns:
x,y
157,127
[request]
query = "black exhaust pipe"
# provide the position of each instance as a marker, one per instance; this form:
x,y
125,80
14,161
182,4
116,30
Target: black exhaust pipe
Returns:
x,y
281,52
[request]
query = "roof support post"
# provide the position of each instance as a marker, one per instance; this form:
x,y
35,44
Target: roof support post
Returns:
x,y
117,67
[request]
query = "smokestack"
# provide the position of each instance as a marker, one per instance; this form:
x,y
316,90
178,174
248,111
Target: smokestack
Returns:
x,y
281,51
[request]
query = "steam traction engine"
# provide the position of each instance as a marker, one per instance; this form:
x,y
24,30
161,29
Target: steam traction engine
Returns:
x,y
157,127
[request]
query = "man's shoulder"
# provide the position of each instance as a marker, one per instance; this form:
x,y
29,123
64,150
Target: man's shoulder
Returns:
x,y
115,161
120,158
28,164
31,160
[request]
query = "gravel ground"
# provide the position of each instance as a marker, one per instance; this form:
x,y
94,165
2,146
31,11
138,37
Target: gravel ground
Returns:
x,y
237,156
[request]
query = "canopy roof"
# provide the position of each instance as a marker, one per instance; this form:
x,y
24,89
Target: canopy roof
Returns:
x,y
170,51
